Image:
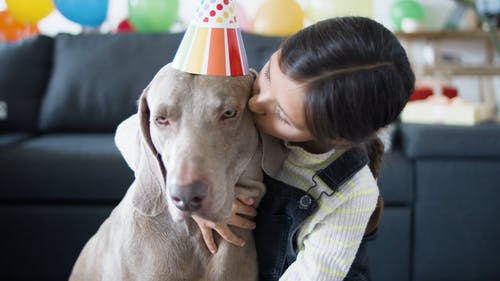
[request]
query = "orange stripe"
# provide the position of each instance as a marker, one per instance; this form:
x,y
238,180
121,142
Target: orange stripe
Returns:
x,y
217,53
234,53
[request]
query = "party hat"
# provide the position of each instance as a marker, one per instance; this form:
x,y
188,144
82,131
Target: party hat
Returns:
x,y
212,44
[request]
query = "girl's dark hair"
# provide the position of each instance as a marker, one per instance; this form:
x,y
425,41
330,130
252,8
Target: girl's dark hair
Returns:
x,y
356,73
375,150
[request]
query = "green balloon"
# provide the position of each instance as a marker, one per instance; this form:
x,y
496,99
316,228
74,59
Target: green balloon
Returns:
x,y
406,9
153,15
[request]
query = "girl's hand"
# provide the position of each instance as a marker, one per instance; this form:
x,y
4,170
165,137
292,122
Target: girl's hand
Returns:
x,y
242,210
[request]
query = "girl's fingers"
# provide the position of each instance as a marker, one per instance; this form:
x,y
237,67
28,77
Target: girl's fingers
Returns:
x,y
208,237
247,201
240,208
241,222
229,236
206,232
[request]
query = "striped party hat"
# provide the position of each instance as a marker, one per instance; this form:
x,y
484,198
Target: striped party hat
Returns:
x,y
212,44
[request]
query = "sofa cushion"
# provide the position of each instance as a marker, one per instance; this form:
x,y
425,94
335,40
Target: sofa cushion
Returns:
x,y
47,238
98,78
9,139
390,253
456,227
25,67
396,179
479,141
58,167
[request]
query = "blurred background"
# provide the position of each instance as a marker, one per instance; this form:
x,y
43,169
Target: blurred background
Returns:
x,y
62,96
23,18
72,16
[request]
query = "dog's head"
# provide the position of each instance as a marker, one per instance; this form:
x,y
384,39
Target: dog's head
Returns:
x,y
200,132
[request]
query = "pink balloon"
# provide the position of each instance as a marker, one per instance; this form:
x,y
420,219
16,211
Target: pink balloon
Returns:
x,y
243,19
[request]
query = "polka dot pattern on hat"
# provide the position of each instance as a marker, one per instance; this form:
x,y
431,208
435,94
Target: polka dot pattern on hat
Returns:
x,y
216,12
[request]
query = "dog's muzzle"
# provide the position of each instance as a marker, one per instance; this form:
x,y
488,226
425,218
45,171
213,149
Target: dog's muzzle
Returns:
x,y
190,197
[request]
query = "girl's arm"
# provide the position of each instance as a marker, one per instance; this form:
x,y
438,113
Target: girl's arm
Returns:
x,y
328,250
127,139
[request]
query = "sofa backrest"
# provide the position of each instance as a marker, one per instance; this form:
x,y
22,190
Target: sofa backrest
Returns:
x,y
90,82
97,78
25,67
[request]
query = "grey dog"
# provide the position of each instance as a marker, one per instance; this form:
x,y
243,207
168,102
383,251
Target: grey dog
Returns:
x,y
196,151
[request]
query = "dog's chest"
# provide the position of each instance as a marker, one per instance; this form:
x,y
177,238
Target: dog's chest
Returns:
x,y
172,251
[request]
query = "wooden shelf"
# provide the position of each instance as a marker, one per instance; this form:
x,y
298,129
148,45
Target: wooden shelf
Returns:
x,y
464,70
435,38
444,34
485,73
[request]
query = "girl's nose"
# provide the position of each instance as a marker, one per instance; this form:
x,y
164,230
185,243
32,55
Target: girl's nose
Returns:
x,y
256,103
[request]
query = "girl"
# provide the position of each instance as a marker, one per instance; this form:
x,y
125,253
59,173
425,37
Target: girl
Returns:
x,y
323,94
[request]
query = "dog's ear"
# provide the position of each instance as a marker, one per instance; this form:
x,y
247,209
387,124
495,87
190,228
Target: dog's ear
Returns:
x,y
144,115
254,73
148,197
249,79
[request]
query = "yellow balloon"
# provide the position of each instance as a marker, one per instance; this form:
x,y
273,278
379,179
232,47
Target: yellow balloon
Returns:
x,y
278,18
30,10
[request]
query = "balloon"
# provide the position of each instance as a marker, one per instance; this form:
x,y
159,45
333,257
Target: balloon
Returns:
x,y
243,20
322,9
29,10
153,15
125,26
278,18
406,9
11,29
85,12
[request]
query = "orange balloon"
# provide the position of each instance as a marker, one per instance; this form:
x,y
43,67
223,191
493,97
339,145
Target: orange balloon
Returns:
x,y
12,30
278,18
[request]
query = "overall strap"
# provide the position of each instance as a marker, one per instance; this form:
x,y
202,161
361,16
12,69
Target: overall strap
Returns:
x,y
337,173
344,167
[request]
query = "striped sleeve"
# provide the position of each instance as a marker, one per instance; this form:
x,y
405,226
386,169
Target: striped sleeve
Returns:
x,y
329,247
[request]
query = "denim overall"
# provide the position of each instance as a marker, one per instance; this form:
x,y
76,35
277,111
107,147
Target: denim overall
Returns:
x,y
283,210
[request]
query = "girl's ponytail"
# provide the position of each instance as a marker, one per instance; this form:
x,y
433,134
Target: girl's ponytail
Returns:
x,y
375,149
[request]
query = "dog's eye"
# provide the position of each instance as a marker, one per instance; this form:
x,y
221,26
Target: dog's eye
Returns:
x,y
230,113
162,121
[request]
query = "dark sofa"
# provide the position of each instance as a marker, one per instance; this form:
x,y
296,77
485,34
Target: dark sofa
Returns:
x,y
60,173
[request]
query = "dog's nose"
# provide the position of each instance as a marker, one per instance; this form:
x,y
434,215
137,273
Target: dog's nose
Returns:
x,y
188,198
